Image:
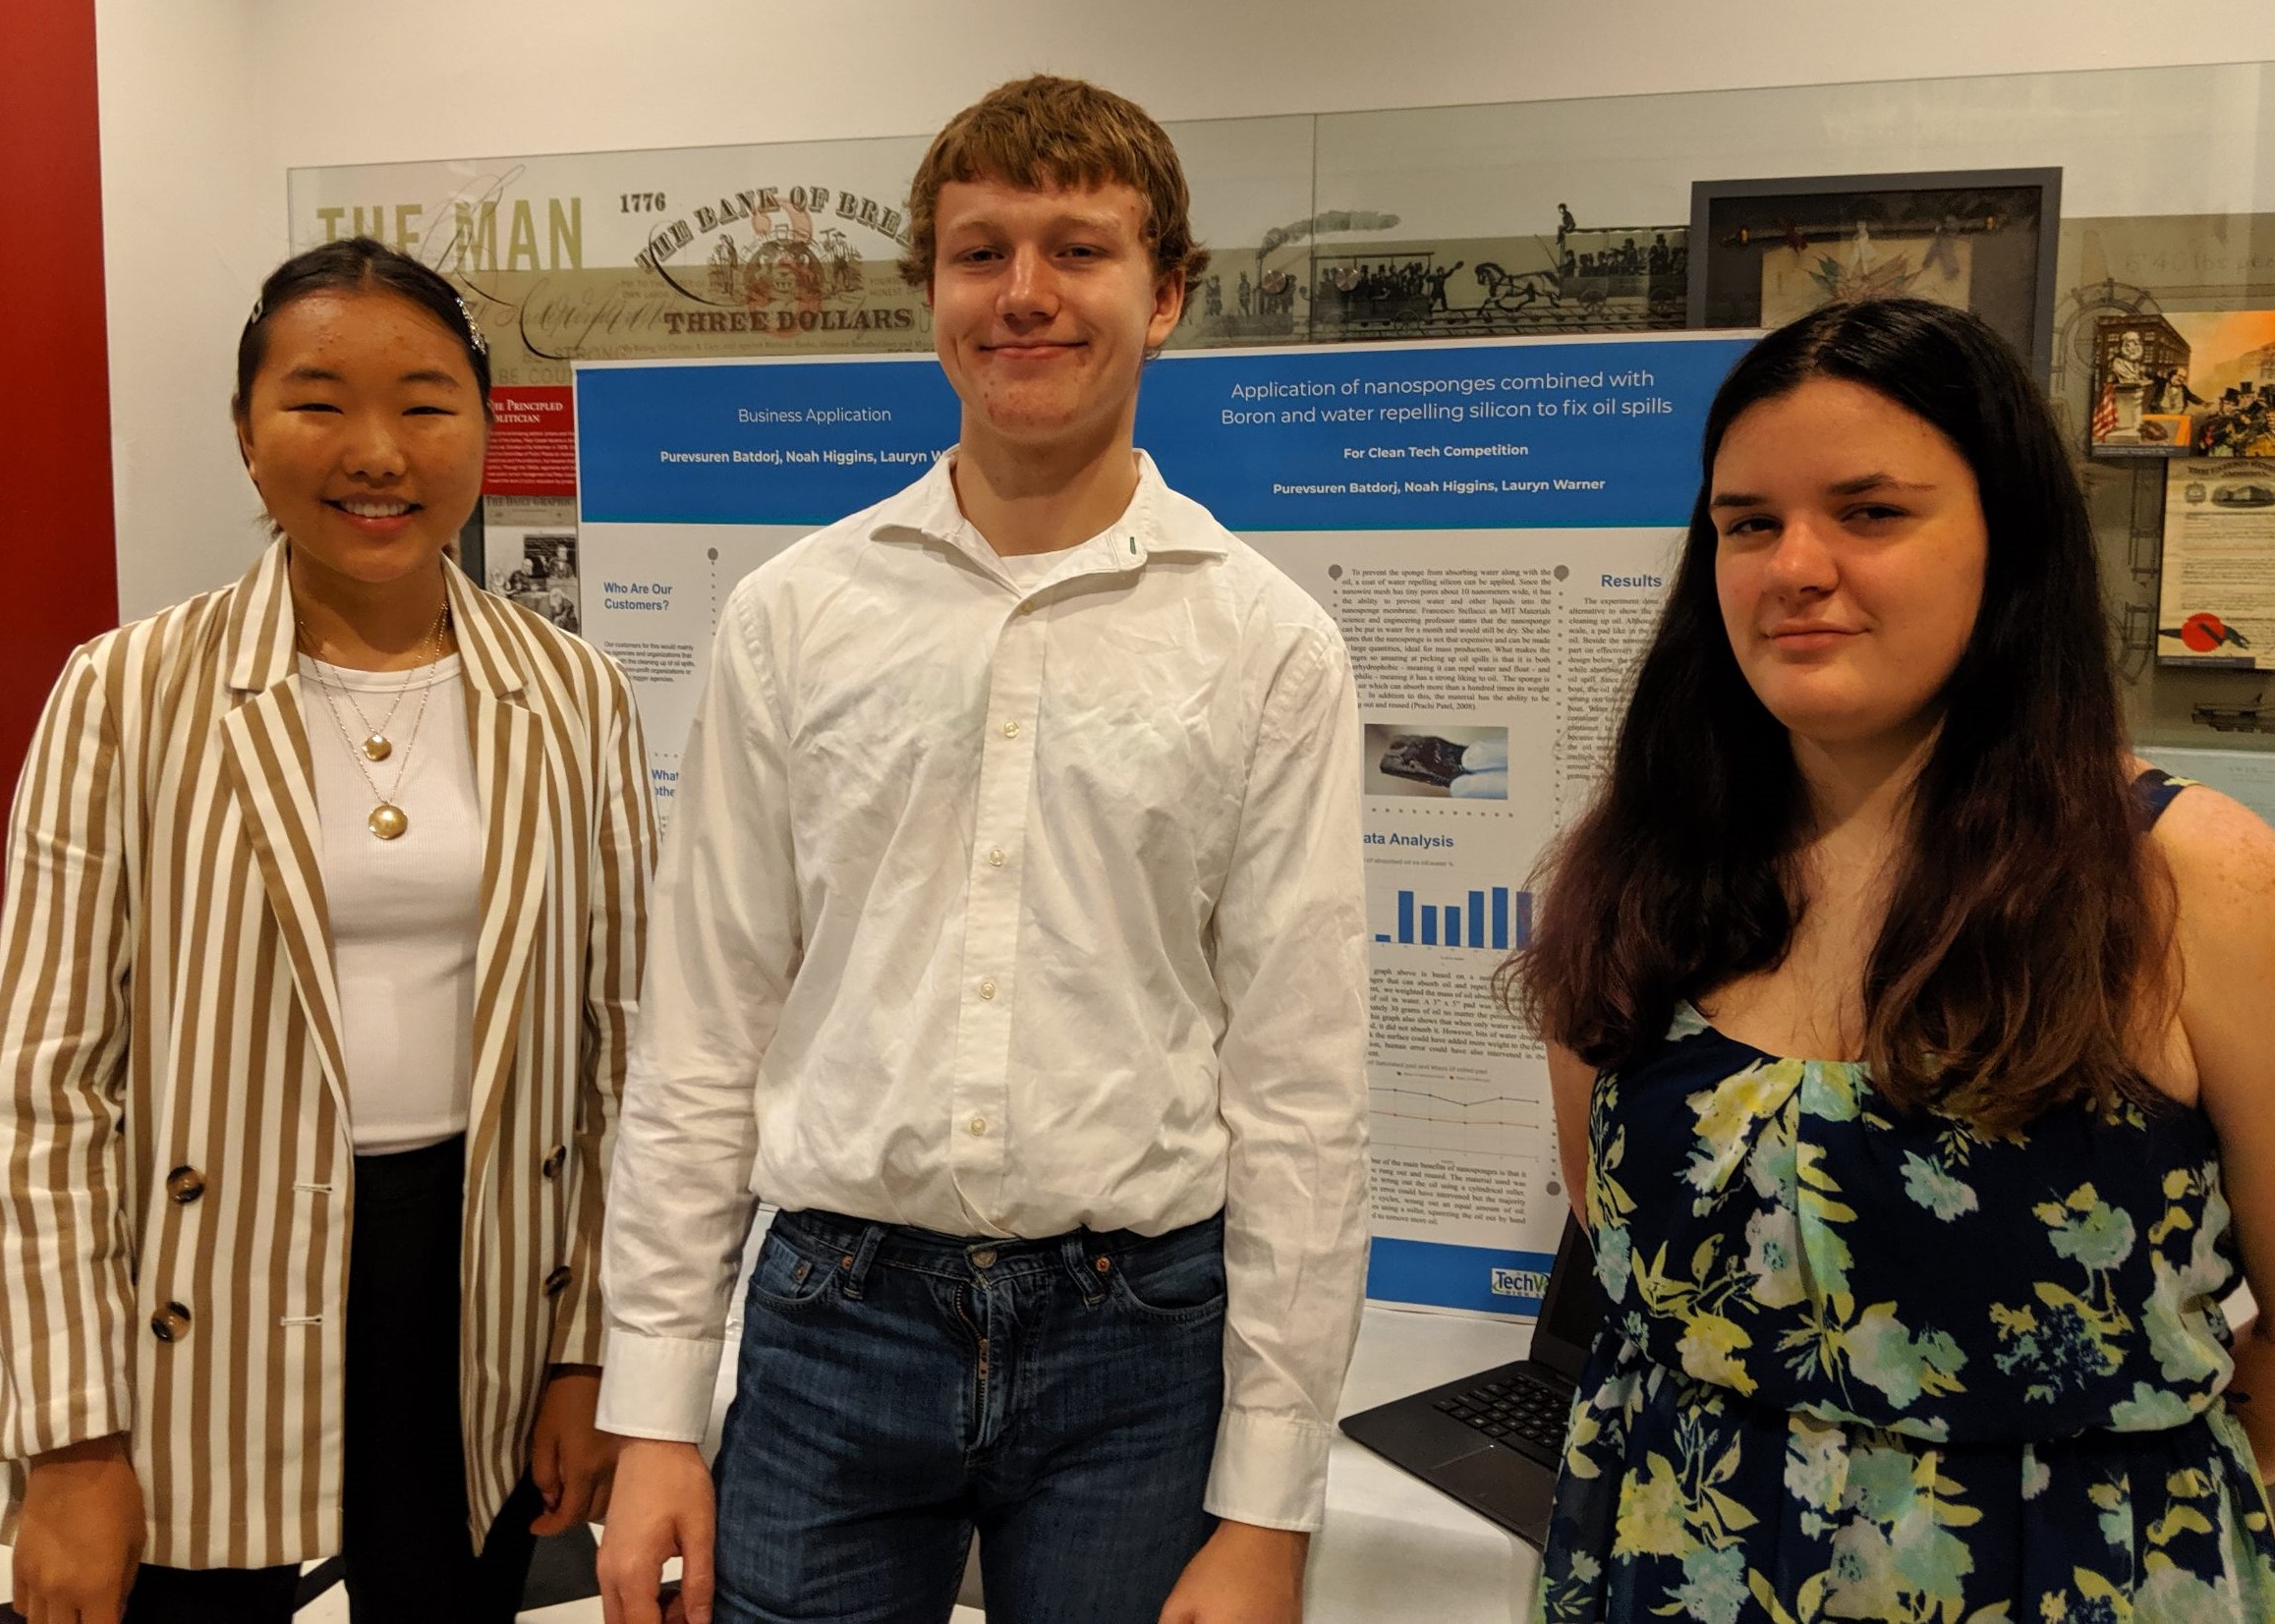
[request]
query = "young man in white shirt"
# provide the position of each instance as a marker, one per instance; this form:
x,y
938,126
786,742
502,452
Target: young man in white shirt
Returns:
x,y
1011,941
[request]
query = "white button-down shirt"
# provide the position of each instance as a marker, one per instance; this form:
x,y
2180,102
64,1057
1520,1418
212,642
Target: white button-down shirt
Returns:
x,y
1001,909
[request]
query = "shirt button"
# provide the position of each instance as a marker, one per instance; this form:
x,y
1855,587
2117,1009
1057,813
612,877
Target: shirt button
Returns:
x,y
184,1185
986,989
978,1126
1010,730
995,857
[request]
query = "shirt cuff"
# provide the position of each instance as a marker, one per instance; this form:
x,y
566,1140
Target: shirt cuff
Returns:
x,y
658,1387
1270,1471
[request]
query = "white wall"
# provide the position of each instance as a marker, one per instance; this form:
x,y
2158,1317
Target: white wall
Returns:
x,y
207,104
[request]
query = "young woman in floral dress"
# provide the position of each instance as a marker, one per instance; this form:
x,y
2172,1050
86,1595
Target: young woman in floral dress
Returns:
x,y
1908,1048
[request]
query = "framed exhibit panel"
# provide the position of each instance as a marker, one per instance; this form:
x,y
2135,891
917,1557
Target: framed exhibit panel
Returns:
x,y
1767,252
2216,581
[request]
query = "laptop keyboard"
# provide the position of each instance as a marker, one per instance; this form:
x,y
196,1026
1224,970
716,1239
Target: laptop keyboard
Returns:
x,y
1521,1412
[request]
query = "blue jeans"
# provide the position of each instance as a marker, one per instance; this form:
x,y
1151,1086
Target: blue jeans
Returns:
x,y
899,1389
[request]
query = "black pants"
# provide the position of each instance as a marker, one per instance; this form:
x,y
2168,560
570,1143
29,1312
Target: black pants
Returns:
x,y
405,1554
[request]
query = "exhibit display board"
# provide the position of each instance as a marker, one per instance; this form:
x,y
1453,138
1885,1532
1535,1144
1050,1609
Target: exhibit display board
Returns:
x,y
1492,526
2137,274
2216,586
2131,270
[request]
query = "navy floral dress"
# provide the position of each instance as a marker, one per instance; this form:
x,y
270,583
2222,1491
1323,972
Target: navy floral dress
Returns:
x,y
1864,1366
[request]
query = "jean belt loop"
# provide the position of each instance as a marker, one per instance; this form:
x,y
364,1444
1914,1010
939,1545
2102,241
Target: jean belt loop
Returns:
x,y
1076,1252
857,1271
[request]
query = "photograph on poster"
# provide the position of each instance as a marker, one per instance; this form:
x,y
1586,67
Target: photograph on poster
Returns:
x,y
2183,384
1766,252
537,569
2216,586
1437,759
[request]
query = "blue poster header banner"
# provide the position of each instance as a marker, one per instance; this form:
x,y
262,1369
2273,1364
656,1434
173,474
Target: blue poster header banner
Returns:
x,y
1480,436
755,443
1468,436
1480,1279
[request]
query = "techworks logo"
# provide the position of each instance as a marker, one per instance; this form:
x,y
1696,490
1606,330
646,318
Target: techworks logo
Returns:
x,y
1519,1282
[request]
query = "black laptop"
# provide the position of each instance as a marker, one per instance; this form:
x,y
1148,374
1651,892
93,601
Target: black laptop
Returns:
x,y
1494,1440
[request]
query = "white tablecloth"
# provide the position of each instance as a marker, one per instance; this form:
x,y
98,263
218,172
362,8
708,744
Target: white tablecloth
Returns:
x,y
1393,1548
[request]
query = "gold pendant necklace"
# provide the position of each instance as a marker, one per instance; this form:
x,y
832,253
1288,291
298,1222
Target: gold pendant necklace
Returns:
x,y
387,820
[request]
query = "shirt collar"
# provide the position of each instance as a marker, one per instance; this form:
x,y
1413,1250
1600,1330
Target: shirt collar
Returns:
x,y
261,645
928,511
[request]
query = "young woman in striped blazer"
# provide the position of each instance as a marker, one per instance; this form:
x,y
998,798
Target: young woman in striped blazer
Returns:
x,y
321,935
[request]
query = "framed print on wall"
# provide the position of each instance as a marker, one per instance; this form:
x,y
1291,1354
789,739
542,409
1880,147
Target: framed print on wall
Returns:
x,y
1766,252
2183,384
2142,394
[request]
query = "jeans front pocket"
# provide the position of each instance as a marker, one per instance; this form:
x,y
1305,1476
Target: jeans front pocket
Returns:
x,y
1164,1285
786,1280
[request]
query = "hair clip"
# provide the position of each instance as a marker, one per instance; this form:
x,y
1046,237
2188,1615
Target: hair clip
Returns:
x,y
473,332
253,320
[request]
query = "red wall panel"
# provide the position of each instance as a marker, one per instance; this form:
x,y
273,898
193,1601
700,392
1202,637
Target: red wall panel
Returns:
x,y
58,563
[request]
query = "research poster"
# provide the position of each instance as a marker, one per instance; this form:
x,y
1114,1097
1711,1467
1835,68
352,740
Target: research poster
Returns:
x,y
1490,524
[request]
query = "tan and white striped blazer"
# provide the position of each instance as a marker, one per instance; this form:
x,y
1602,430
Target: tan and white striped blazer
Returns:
x,y
175,1225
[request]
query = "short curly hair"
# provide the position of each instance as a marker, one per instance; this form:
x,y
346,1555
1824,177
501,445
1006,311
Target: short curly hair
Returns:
x,y
1047,131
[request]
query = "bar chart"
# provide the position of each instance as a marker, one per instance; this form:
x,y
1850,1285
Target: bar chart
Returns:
x,y
1493,919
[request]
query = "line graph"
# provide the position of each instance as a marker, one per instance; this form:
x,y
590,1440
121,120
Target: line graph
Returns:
x,y
1418,1099
1434,1114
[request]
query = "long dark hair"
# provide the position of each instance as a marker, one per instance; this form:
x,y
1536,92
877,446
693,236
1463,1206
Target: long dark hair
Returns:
x,y
2027,919
355,264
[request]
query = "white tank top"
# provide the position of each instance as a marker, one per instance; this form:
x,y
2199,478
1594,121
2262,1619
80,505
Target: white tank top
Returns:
x,y
405,913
